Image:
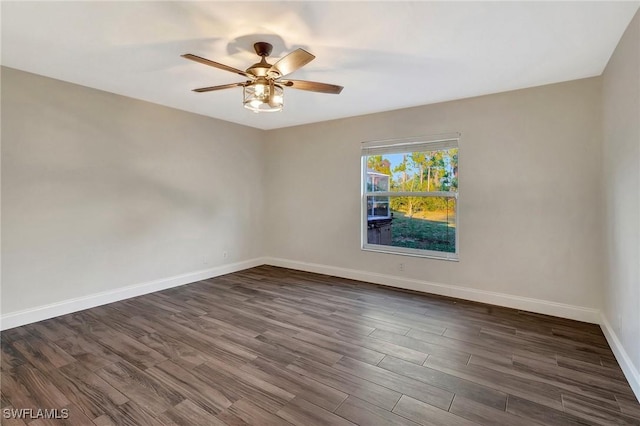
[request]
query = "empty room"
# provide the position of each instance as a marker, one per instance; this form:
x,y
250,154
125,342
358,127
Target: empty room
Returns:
x,y
310,213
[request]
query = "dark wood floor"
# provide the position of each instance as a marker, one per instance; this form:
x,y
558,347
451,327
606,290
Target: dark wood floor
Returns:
x,y
271,346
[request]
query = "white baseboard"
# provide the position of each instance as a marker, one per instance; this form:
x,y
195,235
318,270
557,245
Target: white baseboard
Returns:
x,y
630,370
40,313
579,313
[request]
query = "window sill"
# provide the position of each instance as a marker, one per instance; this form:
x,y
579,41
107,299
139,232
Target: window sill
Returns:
x,y
451,257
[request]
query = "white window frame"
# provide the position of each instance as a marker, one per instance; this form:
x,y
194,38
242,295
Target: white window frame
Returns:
x,y
395,146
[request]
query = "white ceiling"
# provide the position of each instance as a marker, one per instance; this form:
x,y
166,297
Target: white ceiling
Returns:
x,y
388,55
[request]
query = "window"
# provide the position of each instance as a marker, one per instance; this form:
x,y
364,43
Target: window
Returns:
x,y
410,196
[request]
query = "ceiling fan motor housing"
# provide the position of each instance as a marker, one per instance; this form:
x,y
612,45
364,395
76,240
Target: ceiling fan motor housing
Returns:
x,y
260,69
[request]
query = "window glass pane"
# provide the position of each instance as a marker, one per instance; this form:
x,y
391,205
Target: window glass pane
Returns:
x,y
378,208
413,171
378,173
424,223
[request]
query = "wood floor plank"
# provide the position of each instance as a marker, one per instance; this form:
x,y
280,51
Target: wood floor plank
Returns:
x,y
474,347
4,400
591,369
198,392
42,354
163,306
196,323
175,350
362,413
536,343
303,413
579,382
405,385
231,419
311,390
461,387
181,304
241,376
320,325
561,344
16,392
540,413
86,325
11,357
88,352
426,414
140,387
120,322
264,348
335,324
500,343
571,333
341,347
40,389
452,353
420,323
252,414
187,413
347,383
343,318
132,350
229,313
257,319
595,413
228,327
50,329
384,347
128,414
485,415
629,406
291,309
238,385
211,345
541,393
305,349
602,403
89,393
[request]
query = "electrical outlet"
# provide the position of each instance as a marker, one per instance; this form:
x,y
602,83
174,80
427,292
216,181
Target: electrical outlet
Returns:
x,y
225,254
205,260
401,267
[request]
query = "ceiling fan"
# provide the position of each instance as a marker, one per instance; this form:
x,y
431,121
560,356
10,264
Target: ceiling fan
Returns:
x,y
264,89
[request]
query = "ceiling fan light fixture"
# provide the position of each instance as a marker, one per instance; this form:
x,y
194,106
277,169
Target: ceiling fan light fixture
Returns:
x,y
258,97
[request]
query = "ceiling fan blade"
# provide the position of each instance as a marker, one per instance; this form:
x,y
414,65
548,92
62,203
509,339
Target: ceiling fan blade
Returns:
x,y
224,86
216,65
312,86
293,61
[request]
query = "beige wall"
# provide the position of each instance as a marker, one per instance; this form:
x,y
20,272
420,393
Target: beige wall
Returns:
x,y
100,191
529,216
621,192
